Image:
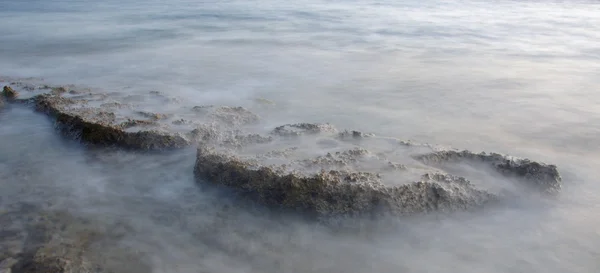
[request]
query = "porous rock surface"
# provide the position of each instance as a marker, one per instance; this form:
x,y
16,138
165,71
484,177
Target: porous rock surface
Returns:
x,y
376,176
114,119
538,175
335,192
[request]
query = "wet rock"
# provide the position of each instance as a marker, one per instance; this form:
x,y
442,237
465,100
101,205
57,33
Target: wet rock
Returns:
x,y
9,93
152,116
205,133
334,193
240,140
284,153
353,135
303,129
58,90
234,116
59,242
113,104
181,122
202,109
95,126
231,116
337,159
537,175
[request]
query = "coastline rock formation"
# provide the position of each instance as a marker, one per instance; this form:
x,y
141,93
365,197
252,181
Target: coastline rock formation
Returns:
x,y
335,192
314,169
97,126
108,119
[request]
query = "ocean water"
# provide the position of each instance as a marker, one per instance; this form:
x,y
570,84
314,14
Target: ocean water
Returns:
x,y
516,77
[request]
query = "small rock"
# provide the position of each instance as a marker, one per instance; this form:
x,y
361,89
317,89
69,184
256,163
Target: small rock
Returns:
x,y
304,129
347,135
201,108
9,93
58,90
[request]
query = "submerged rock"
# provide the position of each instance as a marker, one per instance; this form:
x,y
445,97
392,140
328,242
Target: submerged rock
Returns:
x,y
235,115
303,129
9,93
353,135
334,193
59,242
537,175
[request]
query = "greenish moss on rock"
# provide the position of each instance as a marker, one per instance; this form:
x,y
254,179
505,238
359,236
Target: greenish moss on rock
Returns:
x,y
9,93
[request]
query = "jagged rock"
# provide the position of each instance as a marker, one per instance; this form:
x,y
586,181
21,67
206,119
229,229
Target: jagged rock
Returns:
x,y
303,129
95,126
334,193
337,160
9,93
538,175
350,135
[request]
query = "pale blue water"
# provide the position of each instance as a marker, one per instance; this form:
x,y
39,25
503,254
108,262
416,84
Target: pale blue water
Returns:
x,y
518,77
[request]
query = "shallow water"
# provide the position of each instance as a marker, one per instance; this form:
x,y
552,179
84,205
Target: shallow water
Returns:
x,y
517,77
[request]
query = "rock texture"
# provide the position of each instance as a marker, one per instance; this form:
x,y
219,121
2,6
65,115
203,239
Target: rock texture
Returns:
x,y
37,240
303,129
109,119
9,93
348,179
314,169
98,126
335,193
534,174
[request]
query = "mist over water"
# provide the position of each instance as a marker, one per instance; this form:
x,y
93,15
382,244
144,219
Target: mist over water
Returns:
x,y
516,77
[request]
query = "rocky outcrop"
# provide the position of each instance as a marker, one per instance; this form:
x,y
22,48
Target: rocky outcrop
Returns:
x,y
109,119
309,168
97,126
534,174
335,193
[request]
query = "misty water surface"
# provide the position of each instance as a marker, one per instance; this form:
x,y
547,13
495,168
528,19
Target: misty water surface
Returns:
x,y
516,77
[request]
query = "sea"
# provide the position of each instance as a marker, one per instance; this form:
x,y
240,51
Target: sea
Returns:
x,y
510,76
